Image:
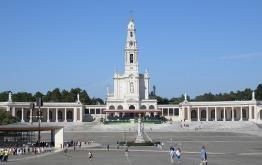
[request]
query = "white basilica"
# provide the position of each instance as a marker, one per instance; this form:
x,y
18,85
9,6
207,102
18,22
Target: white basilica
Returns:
x,y
131,89
130,97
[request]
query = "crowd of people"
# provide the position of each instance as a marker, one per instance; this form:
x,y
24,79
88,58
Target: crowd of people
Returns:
x,y
4,155
23,150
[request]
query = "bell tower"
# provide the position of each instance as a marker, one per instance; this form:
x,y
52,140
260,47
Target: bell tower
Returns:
x,y
131,51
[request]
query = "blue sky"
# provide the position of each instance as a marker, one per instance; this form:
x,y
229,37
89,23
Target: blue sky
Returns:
x,y
191,46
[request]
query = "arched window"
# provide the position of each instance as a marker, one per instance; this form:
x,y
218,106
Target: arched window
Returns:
x,y
69,115
193,114
60,115
143,107
131,34
213,114
120,107
19,114
132,107
176,112
131,58
203,114
244,114
151,107
28,115
112,107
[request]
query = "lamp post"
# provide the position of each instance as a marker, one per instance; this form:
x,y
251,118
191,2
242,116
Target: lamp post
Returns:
x,y
39,103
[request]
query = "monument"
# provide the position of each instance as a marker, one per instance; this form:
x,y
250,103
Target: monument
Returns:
x,y
139,137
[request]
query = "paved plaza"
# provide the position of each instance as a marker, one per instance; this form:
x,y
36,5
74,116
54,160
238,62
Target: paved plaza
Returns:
x,y
223,148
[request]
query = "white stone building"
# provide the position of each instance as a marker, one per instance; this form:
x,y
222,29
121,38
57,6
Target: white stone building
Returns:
x,y
130,97
131,89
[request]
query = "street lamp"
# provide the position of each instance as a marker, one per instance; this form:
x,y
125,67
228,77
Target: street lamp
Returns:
x,y
39,103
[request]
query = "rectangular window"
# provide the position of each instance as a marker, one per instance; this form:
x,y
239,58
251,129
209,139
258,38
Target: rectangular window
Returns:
x,y
92,111
176,112
97,111
131,58
170,112
165,111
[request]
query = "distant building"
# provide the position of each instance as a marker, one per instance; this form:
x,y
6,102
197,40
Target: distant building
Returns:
x,y
130,97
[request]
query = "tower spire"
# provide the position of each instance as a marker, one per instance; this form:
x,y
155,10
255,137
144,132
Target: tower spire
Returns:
x,y
131,51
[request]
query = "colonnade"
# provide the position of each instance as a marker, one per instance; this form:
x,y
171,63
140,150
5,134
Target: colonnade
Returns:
x,y
187,112
211,113
48,114
242,113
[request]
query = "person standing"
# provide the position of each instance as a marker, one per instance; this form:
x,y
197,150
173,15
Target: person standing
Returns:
x,y
203,156
107,147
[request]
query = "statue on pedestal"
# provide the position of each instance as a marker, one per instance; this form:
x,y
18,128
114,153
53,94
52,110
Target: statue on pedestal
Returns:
x,y
139,137
10,96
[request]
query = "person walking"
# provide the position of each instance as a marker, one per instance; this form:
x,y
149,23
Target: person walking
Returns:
x,y
178,156
65,151
203,156
107,147
172,155
90,155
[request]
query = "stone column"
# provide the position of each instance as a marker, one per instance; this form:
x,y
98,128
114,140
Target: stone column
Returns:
x,y
13,111
31,114
22,116
249,113
81,114
233,114
241,112
188,114
198,114
206,113
75,114
56,115
162,112
215,113
47,115
224,114
65,120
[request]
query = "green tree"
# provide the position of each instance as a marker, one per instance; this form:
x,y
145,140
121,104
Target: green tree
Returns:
x,y
7,118
177,100
53,96
38,95
22,97
259,92
161,100
4,96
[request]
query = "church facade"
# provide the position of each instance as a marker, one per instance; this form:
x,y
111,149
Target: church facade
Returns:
x,y
130,97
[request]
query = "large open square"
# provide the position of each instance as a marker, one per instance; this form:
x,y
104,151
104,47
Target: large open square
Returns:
x,y
222,148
